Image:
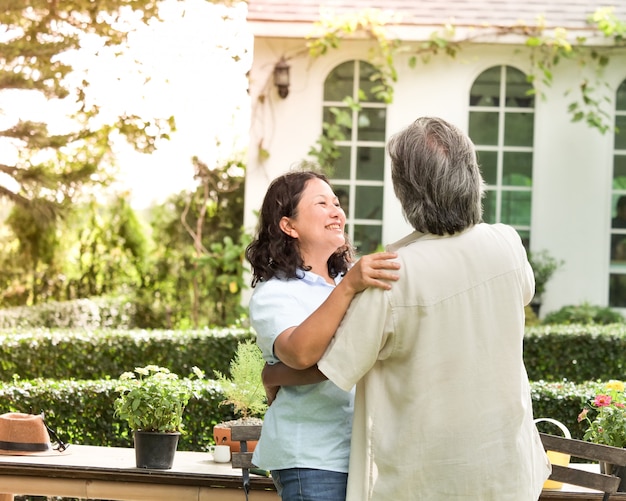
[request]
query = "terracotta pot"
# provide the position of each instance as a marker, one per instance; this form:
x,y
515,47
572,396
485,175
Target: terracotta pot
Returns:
x,y
221,435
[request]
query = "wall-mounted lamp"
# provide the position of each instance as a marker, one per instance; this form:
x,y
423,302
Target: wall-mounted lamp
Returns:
x,y
281,77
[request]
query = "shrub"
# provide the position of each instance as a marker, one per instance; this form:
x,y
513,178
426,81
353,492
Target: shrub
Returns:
x,y
83,412
584,314
95,313
575,352
95,354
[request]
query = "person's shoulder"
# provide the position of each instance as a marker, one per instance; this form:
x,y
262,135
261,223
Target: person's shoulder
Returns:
x,y
271,284
404,242
501,228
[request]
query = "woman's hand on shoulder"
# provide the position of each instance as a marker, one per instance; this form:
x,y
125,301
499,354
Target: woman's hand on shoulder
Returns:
x,y
373,270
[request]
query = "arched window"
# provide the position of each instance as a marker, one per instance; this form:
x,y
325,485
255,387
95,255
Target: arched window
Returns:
x,y
358,173
501,125
617,272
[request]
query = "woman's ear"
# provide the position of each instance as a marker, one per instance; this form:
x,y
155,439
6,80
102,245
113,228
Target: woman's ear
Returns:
x,y
287,227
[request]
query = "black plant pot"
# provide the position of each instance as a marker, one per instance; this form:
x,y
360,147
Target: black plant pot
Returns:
x,y
155,450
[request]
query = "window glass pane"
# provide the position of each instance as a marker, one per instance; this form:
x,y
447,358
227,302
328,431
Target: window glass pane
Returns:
x,y
343,194
618,225
486,88
515,208
369,202
620,137
617,291
370,163
488,161
489,207
365,83
367,238
332,113
617,281
518,129
618,248
621,97
339,84
517,169
361,152
503,130
616,209
525,236
372,124
341,166
619,172
483,127
517,88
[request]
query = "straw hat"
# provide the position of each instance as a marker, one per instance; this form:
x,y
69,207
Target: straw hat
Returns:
x,y
25,435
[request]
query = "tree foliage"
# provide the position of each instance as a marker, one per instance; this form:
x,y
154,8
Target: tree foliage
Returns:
x,y
547,48
196,271
38,42
61,241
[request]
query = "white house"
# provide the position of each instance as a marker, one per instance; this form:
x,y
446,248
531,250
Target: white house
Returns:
x,y
555,180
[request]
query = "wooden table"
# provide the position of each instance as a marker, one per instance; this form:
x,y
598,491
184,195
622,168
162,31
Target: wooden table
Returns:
x,y
91,472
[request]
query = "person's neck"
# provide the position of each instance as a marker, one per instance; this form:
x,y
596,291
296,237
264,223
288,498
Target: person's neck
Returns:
x,y
319,266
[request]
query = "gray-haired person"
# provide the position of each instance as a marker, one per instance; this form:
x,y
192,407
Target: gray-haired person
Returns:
x,y
442,408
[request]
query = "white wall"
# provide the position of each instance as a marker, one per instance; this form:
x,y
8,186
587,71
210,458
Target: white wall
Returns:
x,y
571,199
572,162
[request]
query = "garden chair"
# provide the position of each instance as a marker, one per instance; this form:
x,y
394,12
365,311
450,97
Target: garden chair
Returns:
x,y
585,450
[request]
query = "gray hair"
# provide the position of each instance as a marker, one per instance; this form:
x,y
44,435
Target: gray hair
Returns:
x,y
436,176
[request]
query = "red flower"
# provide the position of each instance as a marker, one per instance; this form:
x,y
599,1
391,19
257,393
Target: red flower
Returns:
x,y
602,401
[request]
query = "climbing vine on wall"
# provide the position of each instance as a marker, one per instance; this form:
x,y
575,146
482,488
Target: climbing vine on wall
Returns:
x,y
547,48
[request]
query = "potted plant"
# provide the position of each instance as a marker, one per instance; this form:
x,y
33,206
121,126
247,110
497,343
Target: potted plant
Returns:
x,y
152,400
544,265
244,391
607,424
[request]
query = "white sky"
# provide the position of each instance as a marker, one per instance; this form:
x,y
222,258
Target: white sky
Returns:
x,y
193,76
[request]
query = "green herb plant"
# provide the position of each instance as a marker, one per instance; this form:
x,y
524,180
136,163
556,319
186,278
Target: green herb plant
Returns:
x,y
244,389
153,399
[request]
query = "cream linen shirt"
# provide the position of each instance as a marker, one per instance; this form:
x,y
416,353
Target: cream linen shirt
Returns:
x,y
442,408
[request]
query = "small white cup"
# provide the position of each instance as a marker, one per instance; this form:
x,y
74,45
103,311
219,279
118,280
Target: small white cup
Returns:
x,y
221,453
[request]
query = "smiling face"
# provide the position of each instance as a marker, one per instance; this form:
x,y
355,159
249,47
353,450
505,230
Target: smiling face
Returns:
x,y
318,224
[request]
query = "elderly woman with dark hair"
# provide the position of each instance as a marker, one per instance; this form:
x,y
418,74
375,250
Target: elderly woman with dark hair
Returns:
x,y
304,279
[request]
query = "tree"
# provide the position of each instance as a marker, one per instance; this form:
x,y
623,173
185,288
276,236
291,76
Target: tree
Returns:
x,y
39,41
66,241
196,268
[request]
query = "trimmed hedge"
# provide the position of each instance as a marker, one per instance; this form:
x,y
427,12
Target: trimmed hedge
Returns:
x,y
88,313
563,401
551,353
81,368
82,412
101,353
575,352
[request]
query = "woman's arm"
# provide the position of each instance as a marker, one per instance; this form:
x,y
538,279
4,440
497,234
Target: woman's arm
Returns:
x,y
276,375
302,346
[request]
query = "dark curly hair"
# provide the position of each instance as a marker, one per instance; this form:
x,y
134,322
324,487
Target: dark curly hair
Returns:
x,y
273,252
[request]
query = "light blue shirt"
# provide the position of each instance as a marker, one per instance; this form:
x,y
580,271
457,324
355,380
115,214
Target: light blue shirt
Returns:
x,y
306,426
